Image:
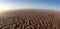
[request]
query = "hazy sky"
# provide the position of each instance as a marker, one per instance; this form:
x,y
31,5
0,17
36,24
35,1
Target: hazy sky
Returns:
x,y
21,4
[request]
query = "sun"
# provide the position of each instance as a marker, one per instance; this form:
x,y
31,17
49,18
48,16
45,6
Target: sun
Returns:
x,y
8,7
4,8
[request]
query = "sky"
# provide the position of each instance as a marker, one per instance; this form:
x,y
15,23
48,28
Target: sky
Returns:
x,y
7,5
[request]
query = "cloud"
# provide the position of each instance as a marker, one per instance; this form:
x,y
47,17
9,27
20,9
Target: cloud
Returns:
x,y
10,6
7,7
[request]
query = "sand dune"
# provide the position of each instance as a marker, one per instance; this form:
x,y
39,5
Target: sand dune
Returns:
x,y
30,19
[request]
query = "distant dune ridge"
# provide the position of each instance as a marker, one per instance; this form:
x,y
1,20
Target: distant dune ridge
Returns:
x,y
30,19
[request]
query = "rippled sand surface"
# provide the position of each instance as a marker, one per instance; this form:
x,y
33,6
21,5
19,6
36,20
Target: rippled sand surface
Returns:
x,y
30,19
